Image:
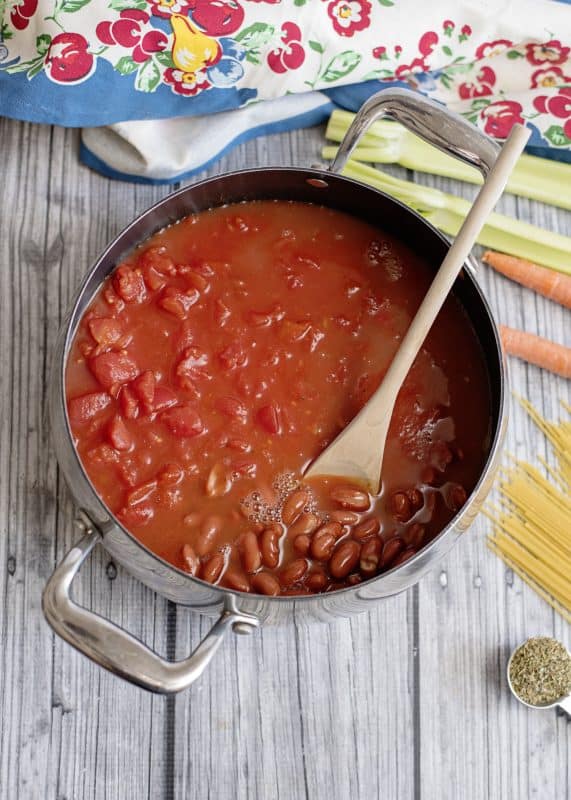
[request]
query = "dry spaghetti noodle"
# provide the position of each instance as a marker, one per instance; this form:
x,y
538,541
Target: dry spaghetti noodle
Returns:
x,y
532,524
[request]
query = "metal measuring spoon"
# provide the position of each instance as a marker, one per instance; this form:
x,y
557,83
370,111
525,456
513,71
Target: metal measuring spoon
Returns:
x,y
562,702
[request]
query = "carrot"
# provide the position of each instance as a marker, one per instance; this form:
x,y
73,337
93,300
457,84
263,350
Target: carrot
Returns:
x,y
536,350
546,281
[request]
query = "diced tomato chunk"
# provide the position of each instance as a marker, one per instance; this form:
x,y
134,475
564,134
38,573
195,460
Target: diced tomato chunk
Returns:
x,y
178,302
183,421
136,516
103,454
113,368
232,407
164,398
233,356
221,313
129,403
105,330
118,434
158,259
170,475
191,367
144,388
81,409
129,284
153,278
269,418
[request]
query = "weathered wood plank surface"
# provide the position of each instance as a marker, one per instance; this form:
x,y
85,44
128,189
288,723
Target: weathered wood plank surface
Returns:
x,y
408,701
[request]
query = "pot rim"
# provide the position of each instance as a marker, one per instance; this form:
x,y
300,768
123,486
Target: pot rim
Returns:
x,y
322,174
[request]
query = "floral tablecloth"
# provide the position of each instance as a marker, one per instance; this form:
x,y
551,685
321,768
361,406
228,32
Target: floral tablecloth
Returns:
x,y
104,62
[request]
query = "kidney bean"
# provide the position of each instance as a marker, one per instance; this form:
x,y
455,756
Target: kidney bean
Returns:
x,y
306,523
344,559
191,520
414,536
294,572
141,493
265,583
295,591
415,498
404,556
219,482
235,579
456,497
400,506
350,497
370,556
365,529
170,475
212,569
323,542
270,546
344,517
301,544
391,550
251,555
209,530
317,580
354,579
190,559
294,505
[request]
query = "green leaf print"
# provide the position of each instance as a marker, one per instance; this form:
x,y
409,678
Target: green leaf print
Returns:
x,y
126,65
316,46
43,44
340,66
148,77
71,6
387,3
556,135
165,58
124,5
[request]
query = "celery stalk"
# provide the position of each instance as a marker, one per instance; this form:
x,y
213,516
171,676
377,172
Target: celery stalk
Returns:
x,y
447,212
389,143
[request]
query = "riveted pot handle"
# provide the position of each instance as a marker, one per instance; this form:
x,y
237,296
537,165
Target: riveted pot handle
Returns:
x,y
431,121
118,651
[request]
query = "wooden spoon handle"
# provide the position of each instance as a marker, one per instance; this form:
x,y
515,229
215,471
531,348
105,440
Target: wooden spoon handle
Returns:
x,y
441,286
358,451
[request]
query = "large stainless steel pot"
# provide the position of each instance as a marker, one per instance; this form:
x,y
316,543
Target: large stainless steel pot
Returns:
x,y
106,643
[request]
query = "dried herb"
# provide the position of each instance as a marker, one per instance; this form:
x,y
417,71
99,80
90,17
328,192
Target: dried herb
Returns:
x,y
540,671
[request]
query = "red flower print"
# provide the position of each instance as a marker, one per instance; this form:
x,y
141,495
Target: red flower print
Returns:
x,y
127,31
448,26
165,8
380,52
558,105
416,65
466,30
500,117
488,49
552,52
292,54
67,60
427,42
480,86
349,16
186,83
22,12
550,76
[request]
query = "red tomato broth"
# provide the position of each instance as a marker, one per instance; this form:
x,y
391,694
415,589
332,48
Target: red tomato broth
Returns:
x,y
232,347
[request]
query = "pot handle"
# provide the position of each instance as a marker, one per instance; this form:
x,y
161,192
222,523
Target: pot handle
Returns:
x,y
118,651
431,121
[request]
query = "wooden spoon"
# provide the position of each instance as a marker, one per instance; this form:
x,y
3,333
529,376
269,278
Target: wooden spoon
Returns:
x,y
357,453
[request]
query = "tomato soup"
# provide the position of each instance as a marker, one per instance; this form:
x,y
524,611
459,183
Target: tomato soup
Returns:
x,y
224,354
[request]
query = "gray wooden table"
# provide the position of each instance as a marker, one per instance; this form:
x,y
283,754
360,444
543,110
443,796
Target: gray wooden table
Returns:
x,y
408,701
